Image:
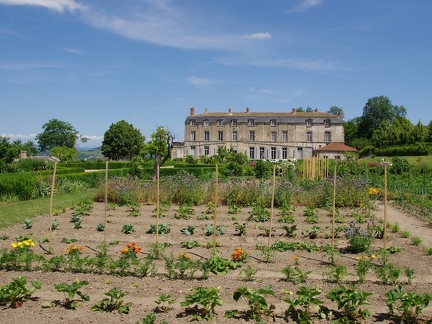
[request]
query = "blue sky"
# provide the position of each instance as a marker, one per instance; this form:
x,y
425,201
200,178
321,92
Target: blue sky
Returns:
x,y
92,63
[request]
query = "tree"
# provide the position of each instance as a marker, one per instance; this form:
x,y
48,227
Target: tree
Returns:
x,y
58,133
7,152
334,110
122,141
160,147
376,110
351,130
64,153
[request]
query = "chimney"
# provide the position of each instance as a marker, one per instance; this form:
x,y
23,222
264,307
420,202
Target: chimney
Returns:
x,y
316,110
205,110
247,110
192,111
229,111
293,111
340,113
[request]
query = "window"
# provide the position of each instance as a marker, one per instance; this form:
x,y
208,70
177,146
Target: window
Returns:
x,y
262,153
220,136
309,136
206,123
234,136
234,149
206,136
193,136
252,136
220,122
234,122
284,136
193,122
252,153
272,122
308,122
327,137
284,153
206,150
251,122
273,136
273,153
327,123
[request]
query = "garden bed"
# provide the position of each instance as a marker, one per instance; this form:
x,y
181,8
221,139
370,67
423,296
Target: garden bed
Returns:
x,y
143,291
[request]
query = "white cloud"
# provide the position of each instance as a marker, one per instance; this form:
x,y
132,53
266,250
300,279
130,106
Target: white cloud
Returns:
x,y
72,50
304,5
201,81
257,36
56,5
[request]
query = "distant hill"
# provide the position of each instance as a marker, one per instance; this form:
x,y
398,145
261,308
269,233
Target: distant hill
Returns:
x,y
92,154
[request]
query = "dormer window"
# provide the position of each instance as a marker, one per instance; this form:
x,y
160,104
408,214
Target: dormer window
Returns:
x,y
220,122
327,123
272,122
206,123
308,122
193,122
251,122
235,122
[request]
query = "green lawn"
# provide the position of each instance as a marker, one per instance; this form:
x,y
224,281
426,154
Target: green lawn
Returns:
x,y
16,212
413,160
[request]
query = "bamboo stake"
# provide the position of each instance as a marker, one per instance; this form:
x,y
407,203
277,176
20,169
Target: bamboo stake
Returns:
x,y
157,206
106,197
385,206
51,204
215,210
272,205
334,207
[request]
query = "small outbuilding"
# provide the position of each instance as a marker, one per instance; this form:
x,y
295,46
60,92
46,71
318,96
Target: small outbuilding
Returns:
x,y
334,151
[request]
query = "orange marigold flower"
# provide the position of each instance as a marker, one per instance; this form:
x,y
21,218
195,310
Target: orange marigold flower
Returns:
x,y
133,244
128,246
81,248
125,250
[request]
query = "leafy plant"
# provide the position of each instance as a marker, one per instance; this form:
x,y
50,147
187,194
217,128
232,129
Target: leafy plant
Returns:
x,y
208,298
409,305
348,300
113,302
133,209
128,229
240,229
68,240
336,273
54,224
248,273
295,274
416,241
189,244
28,223
164,302
208,230
405,234
358,240
258,305
290,230
301,307
188,230
100,227
70,290
185,211
17,292
410,275
233,209
259,214
162,229
312,232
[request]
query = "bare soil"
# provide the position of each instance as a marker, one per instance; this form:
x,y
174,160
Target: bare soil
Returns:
x,y
143,292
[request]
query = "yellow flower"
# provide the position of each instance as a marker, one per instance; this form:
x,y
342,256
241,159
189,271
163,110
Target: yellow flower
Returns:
x,y
14,245
373,256
358,258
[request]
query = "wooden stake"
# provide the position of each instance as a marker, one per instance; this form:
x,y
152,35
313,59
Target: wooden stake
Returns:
x,y
106,197
51,204
272,205
157,206
215,210
334,207
385,207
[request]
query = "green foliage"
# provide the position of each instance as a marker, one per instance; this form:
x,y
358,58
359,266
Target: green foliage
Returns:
x,y
348,300
100,227
185,211
416,240
312,232
295,274
54,224
28,223
57,133
70,290
409,305
208,298
262,169
301,307
189,244
162,229
188,230
209,229
128,229
259,214
240,229
113,302
258,305
336,274
17,292
248,273
164,302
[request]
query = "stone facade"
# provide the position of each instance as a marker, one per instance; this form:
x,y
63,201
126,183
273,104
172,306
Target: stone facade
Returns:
x,y
271,135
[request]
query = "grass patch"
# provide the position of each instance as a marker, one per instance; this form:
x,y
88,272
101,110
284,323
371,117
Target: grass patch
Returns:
x,y
17,212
